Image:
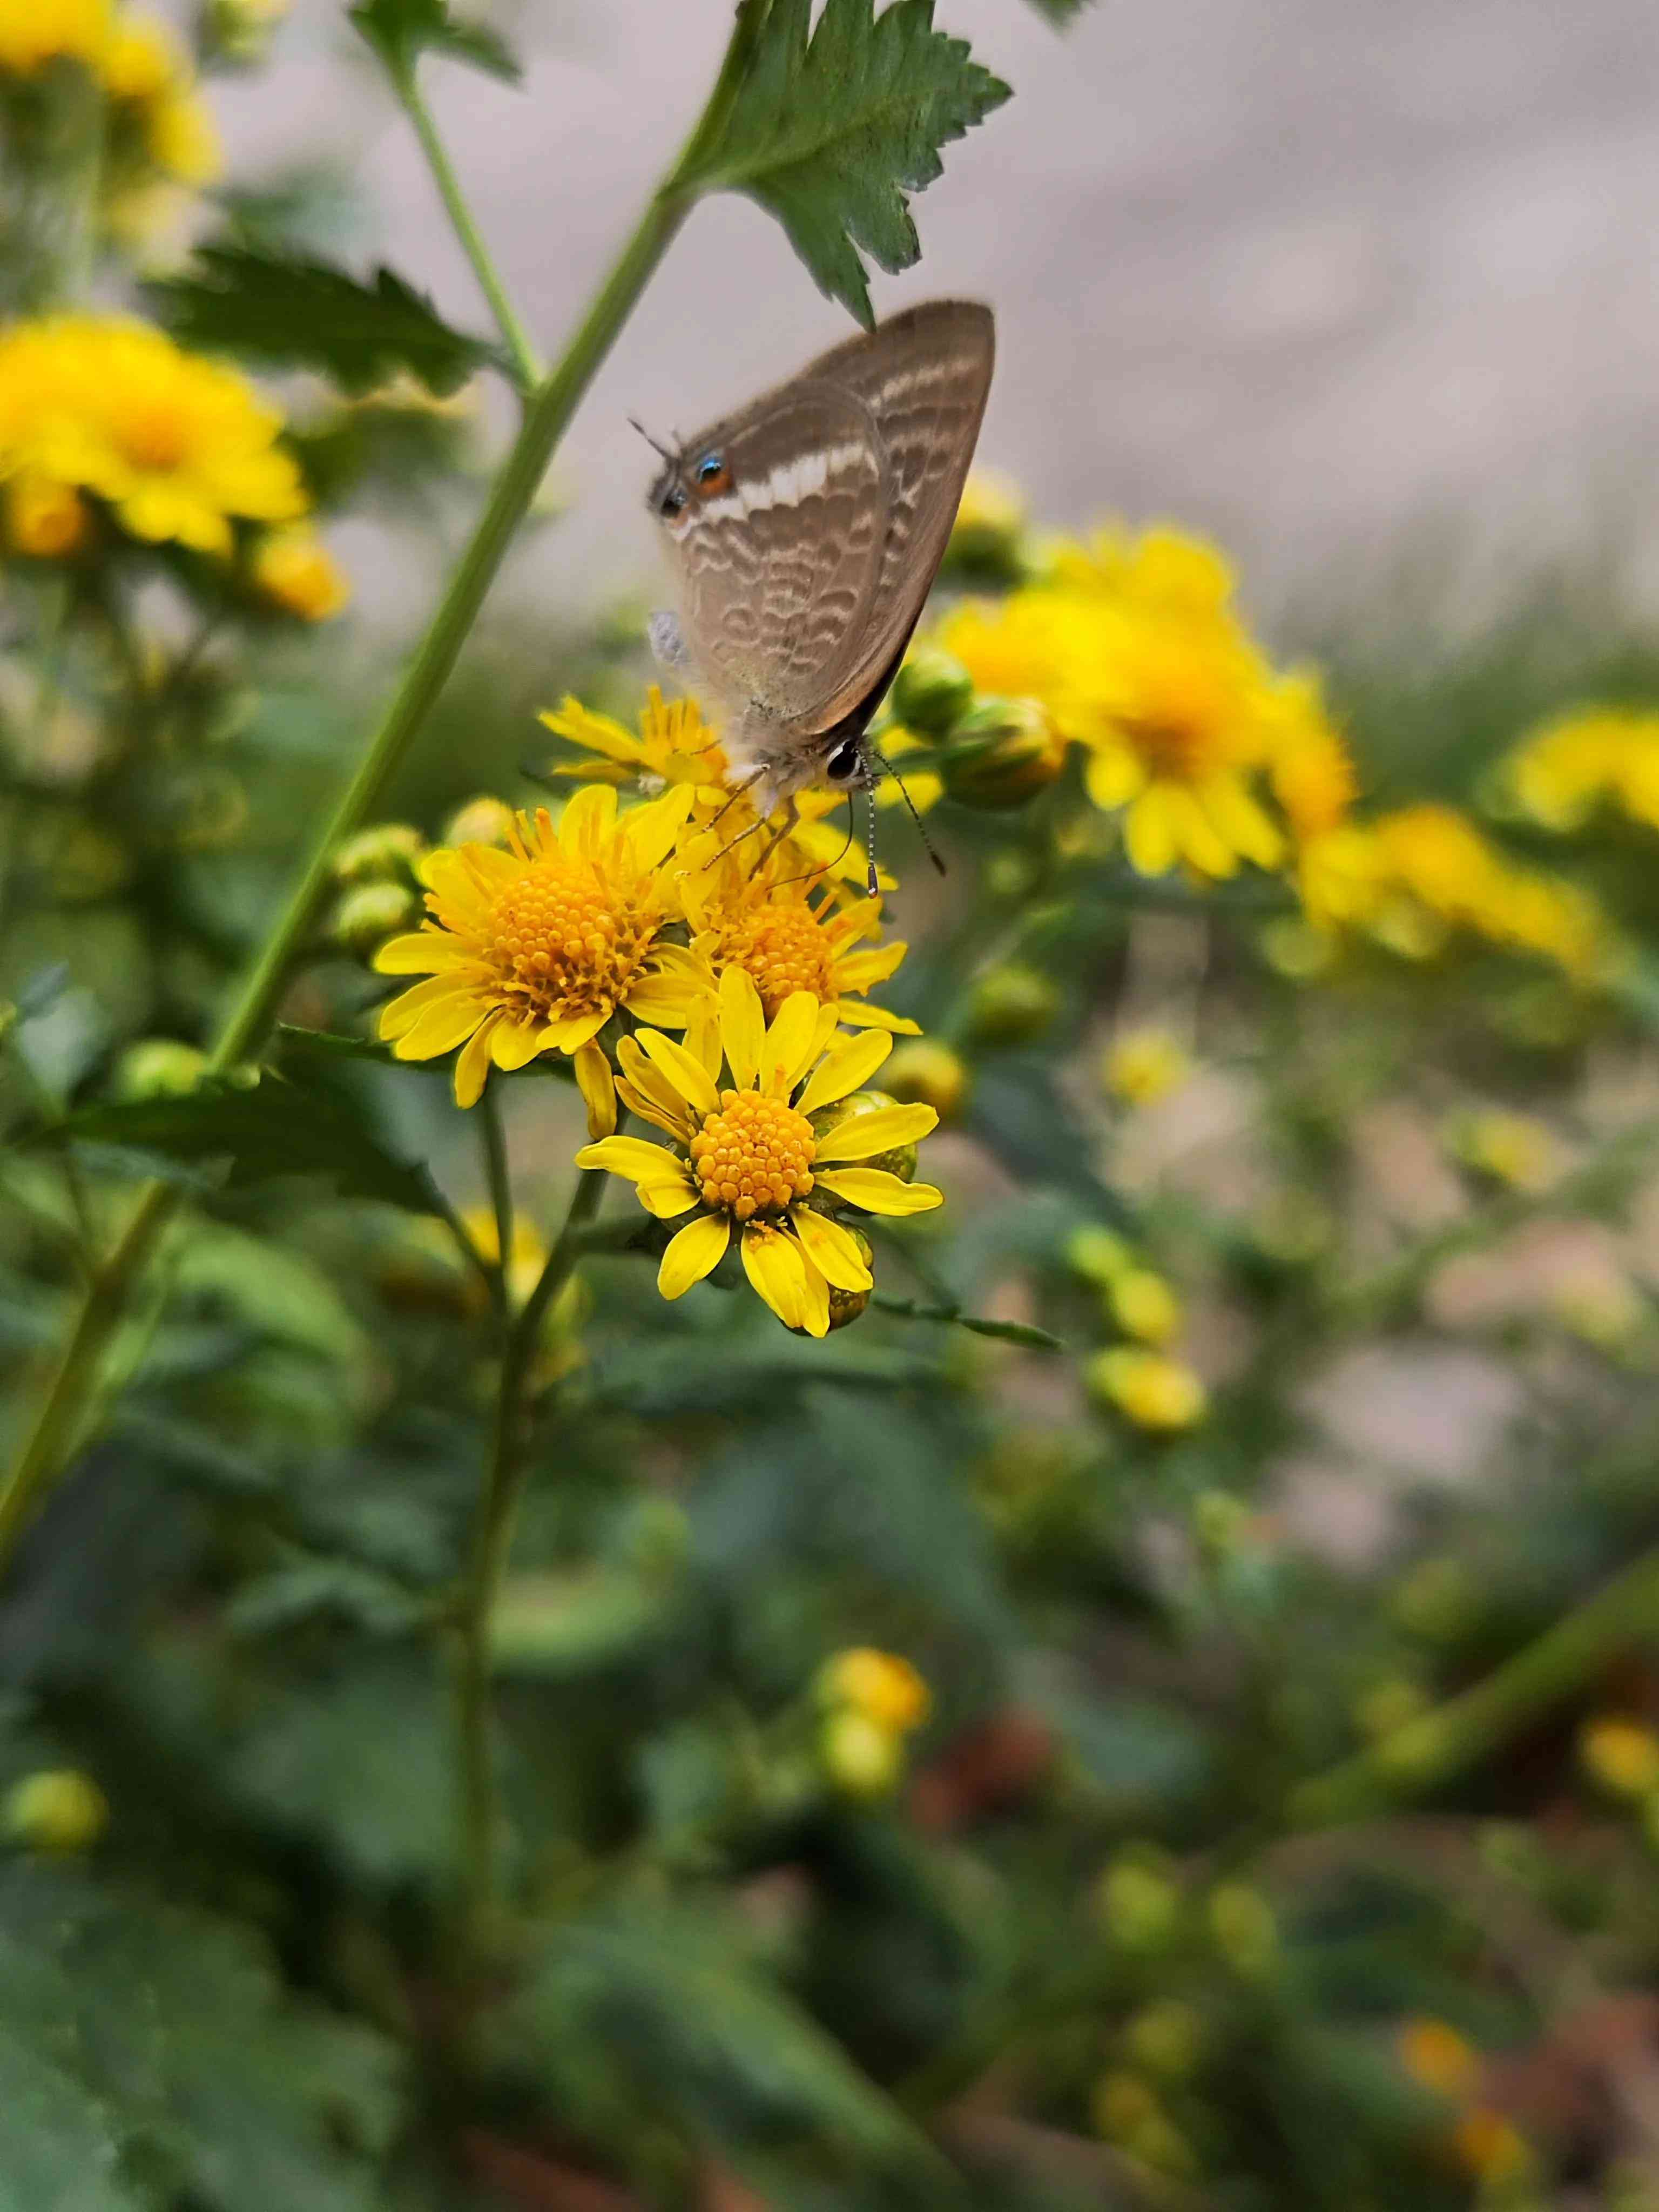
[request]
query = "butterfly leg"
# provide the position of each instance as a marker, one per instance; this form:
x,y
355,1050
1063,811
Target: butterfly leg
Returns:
x,y
791,819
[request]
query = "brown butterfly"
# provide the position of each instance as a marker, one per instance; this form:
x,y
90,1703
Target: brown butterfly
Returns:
x,y
805,532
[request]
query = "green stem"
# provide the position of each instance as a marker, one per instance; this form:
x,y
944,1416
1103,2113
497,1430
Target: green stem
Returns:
x,y
526,364
500,1179
1440,1743
494,1522
58,1422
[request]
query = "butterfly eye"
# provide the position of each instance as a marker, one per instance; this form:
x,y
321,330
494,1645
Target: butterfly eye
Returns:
x,y
846,764
711,474
672,501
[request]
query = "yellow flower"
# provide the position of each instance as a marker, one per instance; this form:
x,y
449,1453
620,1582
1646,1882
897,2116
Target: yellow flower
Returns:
x,y
1145,1064
990,502
1623,1756
43,520
1310,769
885,1688
58,1809
1144,1305
859,1757
527,1257
533,949
1148,1387
1490,2147
296,571
35,31
177,446
1162,570
1438,2059
1511,1148
747,1156
674,745
149,79
784,929
1559,775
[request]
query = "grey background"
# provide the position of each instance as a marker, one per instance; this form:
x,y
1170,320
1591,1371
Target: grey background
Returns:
x,y
1334,278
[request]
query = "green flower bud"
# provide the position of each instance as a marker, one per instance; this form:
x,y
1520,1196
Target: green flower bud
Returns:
x,y
1166,2038
238,33
484,820
386,849
1010,1004
923,1071
58,1809
1138,1906
371,912
846,1306
1002,752
1245,1931
1099,1255
987,546
861,1758
932,692
158,1067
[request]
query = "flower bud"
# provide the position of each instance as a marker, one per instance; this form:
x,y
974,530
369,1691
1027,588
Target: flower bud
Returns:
x,y
1166,2038
1010,1004
884,1687
1099,1254
987,540
901,1161
43,520
485,820
369,913
295,572
925,1072
1220,1523
1143,1305
932,692
1512,1149
860,1757
1622,1756
58,1809
1143,1066
239,32
1437,2059
386,849
1147,1387
1138,1906
1389,1706
1245,1930
158,1067
1002,752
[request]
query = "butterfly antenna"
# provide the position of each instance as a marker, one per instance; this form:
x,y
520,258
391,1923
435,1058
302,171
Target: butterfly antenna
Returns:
x,y
871,880
656,444
927,845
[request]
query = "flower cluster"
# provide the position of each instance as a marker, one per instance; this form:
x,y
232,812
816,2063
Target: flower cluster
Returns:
x,y
1139,1379
872,1700
106,418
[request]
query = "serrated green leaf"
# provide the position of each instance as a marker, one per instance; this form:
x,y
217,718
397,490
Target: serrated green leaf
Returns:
x,y
834,125
401,31
277,1128
295,311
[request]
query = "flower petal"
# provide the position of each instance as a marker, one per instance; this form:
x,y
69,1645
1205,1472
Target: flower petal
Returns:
x,y
697,1251
787,1050
598,1089
439,1028
667,1199
687,1074
880,1131
652,830
877,1192
399,1015
587,819
628,1156
517,1041
648,1110
860,1014
649,1080
845,1070
577,1030
743,1026
472,1064
832,1249
419,952
776,1267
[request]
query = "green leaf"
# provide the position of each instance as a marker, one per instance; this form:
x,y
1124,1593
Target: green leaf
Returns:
x,y
1061,12
401,31
163,2036
278,1127
295,311
833,126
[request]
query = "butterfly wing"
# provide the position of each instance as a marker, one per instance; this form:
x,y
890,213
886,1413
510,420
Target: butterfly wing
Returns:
x,y
925,376
779,565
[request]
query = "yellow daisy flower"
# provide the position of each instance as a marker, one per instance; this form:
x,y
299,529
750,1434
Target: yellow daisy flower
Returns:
x,y
533,948
785,931
178,446
296,571
675,745
1310,769
152,89
1559,775
746,1155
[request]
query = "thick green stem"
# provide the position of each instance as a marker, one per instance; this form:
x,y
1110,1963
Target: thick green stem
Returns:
x,y
1442,1743
494,1522
521,351
500,1179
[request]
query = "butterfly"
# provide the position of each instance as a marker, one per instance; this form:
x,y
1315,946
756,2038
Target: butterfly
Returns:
x,y
804,533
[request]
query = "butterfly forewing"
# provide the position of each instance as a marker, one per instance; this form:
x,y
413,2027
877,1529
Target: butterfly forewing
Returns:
x,y
781,568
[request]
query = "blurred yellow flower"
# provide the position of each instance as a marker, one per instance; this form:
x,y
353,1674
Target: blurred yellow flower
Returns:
x,y
1437,2059
1490,2147
58,1810
35,31
859,1756
296,571
1600,755
787,931
1144,1306
43,520
150,83
747,1156
1144,1065
1513,1149
529,1252
675,745
886,1689
1622,1755
990,502
1148,1387
1310,769
533,949
178,446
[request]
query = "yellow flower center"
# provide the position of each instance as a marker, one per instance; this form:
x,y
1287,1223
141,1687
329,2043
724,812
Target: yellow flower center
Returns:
x,y
753,1156
784,950
153,433
558,941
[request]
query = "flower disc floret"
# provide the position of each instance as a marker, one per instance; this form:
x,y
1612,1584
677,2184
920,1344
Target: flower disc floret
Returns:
x,y
754,1156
